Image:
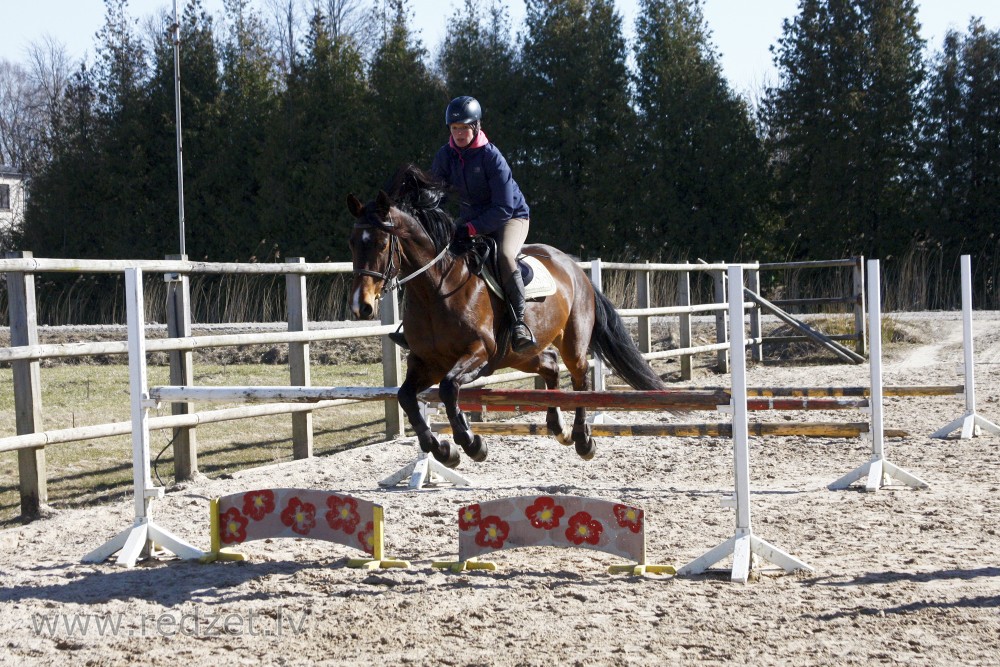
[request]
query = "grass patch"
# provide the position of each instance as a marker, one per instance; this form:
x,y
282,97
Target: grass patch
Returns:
x,y
82,473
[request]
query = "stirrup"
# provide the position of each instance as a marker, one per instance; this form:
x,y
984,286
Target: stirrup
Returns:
x,y
522,339
399,338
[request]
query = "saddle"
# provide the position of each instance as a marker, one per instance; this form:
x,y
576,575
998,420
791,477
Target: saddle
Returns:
x,y
482,258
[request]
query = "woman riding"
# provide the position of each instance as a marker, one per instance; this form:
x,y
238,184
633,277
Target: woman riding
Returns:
x,y
491,202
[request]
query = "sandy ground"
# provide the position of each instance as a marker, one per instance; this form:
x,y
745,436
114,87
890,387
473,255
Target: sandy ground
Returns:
x,y
900,575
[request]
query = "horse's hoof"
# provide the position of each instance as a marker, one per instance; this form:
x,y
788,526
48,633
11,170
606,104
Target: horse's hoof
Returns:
x,y
476,450
447,454
428,443
586,448
564,437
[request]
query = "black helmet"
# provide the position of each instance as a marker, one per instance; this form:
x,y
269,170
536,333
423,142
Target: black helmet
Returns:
x,y
465,110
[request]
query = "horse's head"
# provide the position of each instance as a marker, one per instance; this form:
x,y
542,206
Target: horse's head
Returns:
x,y
403,230
374,253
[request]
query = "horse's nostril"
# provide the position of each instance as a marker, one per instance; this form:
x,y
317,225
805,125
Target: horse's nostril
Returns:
x,y
366,312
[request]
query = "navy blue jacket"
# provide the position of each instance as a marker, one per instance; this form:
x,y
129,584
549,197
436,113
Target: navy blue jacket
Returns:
x,y
489,195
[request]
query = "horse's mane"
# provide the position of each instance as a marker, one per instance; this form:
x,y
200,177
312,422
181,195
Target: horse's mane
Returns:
x,y
421,195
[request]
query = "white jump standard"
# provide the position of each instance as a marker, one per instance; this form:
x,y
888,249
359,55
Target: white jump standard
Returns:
x,y
143,536
878,470
970,423
744,544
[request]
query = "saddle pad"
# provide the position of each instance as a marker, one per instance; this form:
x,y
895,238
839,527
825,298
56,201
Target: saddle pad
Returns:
x,y
542,283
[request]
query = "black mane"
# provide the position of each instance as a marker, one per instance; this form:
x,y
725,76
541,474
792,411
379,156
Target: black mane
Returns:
x,y
421,195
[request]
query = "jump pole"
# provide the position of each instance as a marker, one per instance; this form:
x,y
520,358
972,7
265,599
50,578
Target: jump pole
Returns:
x,y
970,423
744,544
878,470
143,535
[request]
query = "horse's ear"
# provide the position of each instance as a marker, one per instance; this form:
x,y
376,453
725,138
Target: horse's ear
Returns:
x,y
355,206
382,205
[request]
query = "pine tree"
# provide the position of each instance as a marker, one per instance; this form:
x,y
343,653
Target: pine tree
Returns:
x,y
842,126
577,115
703,185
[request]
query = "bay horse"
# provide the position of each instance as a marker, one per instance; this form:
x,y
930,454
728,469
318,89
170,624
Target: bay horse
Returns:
x,y
457,328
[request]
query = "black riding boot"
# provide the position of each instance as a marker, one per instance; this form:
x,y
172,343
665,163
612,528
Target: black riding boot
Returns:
x,y
399,338
521,338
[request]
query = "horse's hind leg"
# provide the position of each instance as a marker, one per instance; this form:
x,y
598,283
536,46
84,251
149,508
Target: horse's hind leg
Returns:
x,y
547,367
576,362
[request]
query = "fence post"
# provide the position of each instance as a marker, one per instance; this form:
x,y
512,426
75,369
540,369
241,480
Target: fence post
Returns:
x,y
181,370
684,325
858,282
392,366
595,278
757,348
642,286
298,357
721,330
27,388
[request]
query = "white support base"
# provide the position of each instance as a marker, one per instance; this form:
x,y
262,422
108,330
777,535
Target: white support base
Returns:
x,y
970,424
424,470
141,540
877,472
743,546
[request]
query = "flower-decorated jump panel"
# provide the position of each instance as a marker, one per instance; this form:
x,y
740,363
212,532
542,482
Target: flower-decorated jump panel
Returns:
x,y
316,514
562,521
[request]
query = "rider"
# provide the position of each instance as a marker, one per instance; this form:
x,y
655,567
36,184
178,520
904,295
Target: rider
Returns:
x,y
491,201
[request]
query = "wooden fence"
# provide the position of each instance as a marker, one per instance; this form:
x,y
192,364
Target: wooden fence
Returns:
x,y
25,352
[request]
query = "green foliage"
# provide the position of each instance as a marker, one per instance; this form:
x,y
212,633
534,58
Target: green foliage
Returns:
x,y
577,119
842,125
657,158
961,141
703,186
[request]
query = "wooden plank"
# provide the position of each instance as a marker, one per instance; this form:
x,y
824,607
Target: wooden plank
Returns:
x,y
298,358
824,340
27,382
185,440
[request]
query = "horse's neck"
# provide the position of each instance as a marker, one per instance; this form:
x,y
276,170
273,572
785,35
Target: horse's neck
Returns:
x,y
445,277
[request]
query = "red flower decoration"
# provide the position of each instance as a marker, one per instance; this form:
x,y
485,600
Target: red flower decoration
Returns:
x,y
629,517
367,538
258,504
233,526
469,517
343,514
544,513
584,528
492,532
300,516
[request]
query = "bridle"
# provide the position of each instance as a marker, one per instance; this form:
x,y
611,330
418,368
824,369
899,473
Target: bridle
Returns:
x,y
389,277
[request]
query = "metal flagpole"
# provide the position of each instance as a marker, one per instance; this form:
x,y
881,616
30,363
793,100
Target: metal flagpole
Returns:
x,y
177,114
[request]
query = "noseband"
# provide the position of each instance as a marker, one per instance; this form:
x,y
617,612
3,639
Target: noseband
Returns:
x,y
389,278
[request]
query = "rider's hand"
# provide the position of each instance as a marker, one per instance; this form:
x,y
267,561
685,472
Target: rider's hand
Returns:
x,y
464,232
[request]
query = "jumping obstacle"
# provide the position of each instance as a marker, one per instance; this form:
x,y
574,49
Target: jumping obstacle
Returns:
x,y
970,423
299,513
712,430
878,470
744,544
555,521
141,538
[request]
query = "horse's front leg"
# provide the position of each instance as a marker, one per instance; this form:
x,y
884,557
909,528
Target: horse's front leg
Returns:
x,y
468,370
416,381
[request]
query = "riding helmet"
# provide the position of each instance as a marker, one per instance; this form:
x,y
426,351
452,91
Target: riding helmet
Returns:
x,y
465,110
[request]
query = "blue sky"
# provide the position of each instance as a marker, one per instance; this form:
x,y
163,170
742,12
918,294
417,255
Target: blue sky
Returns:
x,y
742,29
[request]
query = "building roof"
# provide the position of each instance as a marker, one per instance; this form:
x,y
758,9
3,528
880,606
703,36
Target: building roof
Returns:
x,y
8,172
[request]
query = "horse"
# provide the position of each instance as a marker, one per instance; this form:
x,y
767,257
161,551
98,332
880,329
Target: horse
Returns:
x,y
457,328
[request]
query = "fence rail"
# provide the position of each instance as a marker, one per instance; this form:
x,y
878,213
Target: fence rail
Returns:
x,y
25,352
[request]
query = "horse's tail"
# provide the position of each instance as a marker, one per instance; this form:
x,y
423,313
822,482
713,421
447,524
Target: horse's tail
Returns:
x,y
611,341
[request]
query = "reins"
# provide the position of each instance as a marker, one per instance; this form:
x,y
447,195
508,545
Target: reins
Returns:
x,y
389,277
